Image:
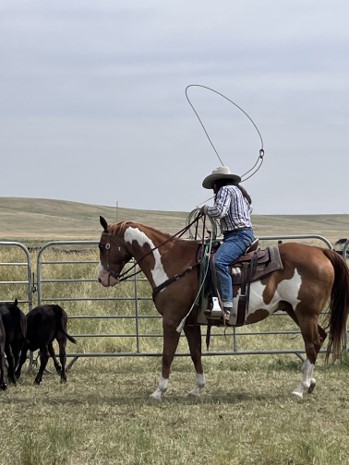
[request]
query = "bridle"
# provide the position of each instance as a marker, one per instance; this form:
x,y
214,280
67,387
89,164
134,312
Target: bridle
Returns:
x,y
111,273
127,274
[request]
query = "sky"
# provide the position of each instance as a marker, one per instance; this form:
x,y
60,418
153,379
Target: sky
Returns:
x,y
93,106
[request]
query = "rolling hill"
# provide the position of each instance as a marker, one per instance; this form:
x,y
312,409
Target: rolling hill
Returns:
x,y
30,220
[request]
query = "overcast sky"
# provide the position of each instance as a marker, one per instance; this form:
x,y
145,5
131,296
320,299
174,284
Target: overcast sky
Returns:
x,y
93,106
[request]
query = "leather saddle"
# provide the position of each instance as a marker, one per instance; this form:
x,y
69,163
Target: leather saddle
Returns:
x,y
252,266
255,265
249,268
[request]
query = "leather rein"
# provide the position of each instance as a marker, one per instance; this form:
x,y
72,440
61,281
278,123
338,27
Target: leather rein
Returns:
x,y
126,274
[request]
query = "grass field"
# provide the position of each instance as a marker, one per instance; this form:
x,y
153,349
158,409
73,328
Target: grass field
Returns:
x,y
38,220
245,416
103,416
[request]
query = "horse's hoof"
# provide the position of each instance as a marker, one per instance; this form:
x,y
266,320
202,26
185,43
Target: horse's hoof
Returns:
x,y
195,392
298,395
193,398
154,399
3,387
311,387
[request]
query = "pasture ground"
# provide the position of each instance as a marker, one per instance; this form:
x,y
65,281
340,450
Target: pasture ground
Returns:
x,y
37,221
245,416
102,416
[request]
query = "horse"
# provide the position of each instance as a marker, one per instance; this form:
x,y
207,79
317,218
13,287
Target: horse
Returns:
x,y
310,278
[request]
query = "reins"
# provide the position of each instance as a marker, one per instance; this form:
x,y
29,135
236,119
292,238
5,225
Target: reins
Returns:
x,y
126,274
205,264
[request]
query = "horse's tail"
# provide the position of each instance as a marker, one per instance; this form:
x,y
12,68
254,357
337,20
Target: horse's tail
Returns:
x,y
339,304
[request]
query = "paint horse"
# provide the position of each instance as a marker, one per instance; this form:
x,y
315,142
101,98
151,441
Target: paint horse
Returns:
x,y
311,277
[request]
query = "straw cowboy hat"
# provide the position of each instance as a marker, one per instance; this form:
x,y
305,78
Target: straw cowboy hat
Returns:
x,y
222,172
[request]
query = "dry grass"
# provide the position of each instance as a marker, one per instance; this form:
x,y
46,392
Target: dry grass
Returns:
x,y
102,416
38,220
245,416
45,220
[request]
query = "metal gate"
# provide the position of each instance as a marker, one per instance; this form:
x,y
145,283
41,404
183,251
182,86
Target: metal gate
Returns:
x,y
16,278
122,321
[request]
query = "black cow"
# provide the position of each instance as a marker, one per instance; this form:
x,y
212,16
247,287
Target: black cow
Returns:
x,y
3,384
15,324
44,324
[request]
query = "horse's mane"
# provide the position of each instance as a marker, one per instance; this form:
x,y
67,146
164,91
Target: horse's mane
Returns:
x,y
119,228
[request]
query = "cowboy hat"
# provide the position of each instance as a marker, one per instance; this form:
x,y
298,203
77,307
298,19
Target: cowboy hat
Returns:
x,y
222,172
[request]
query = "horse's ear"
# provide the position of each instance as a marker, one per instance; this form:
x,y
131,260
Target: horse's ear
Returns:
x,y
104,223
16,302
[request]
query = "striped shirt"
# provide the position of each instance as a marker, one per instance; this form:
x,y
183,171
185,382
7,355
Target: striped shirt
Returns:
x,y
231,208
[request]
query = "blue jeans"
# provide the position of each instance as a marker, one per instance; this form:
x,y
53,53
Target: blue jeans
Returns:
x,y
233,246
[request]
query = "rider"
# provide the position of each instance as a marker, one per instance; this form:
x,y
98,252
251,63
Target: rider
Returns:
x,y
232,205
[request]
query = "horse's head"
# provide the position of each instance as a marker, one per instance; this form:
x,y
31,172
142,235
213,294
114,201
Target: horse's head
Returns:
x,y
113,254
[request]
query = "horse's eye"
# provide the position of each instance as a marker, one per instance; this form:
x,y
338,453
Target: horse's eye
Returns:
x,y
107,246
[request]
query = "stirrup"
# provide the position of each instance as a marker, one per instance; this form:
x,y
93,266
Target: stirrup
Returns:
x,y
216,312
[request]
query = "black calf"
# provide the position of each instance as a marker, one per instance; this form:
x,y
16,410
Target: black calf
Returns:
x,y
15,324
44,324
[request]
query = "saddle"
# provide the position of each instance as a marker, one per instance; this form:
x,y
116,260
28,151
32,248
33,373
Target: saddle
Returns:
x,y
255,265
250,267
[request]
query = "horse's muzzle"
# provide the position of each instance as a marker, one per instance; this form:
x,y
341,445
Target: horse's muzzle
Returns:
x,y
107,280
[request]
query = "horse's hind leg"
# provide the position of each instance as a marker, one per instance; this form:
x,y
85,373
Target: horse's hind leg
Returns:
x,y
322,335
193,335
170,343
308,382
314,337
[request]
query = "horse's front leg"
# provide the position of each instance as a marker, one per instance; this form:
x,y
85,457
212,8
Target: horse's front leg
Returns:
x,y
193,335
170,343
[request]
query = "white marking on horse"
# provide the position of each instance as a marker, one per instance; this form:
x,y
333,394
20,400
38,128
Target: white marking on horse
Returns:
x,y
307,380
200,384
284,291
161,389
101,267
158,272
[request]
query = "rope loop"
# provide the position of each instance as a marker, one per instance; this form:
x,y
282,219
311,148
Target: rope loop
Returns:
x,y
260,158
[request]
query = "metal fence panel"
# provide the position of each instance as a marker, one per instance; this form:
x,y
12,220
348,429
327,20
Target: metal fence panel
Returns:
x,y
16,278
124,319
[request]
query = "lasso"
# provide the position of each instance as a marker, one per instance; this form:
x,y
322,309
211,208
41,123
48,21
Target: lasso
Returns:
x,y
260,157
